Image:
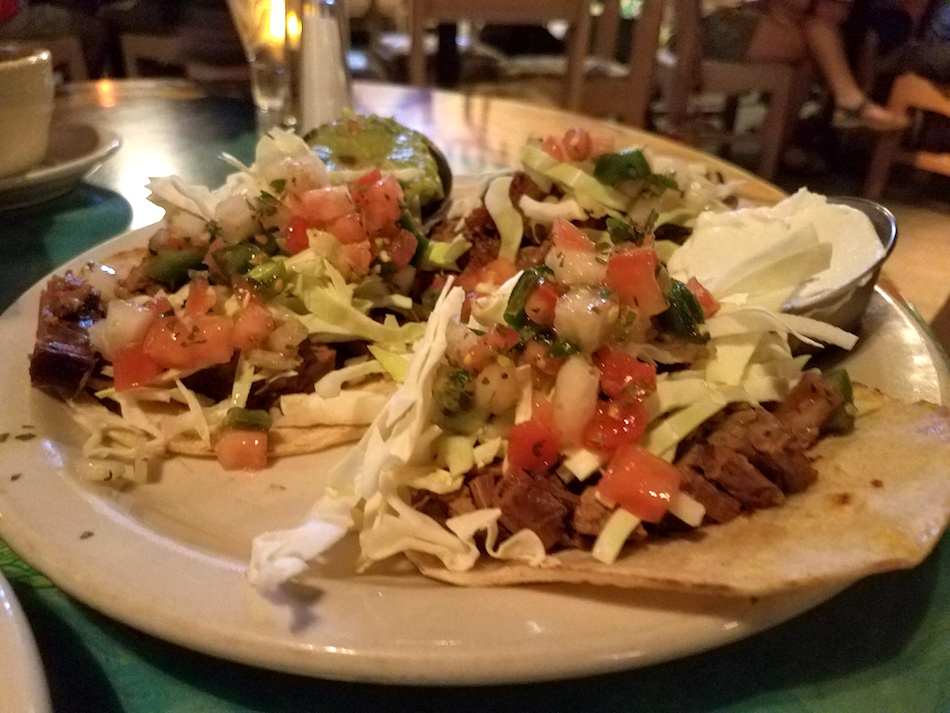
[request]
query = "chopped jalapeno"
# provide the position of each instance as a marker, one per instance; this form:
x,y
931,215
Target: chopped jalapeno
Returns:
x,y
239,259
245,418
530,280
842,420
170,267
561,349
614,168
407,222
684,317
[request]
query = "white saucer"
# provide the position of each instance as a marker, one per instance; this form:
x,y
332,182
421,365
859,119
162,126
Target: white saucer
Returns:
x,y
22,682
75,151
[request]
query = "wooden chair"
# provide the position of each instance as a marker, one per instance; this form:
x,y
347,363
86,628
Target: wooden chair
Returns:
x,y
909,93
687,72
512,12
624,91
165,49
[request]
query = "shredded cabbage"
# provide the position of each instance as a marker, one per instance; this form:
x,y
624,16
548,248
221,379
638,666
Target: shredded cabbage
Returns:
x,y
507,219
389,442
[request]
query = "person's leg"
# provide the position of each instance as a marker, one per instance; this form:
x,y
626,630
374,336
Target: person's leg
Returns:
x,y
823,38
779,35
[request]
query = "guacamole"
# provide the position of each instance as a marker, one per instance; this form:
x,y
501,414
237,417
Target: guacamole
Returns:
x,y
359,142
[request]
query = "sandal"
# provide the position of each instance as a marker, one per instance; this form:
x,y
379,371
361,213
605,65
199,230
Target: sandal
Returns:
x,y
857,117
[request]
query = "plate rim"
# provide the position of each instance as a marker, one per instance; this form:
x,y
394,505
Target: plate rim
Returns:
x,y
107,143
27,672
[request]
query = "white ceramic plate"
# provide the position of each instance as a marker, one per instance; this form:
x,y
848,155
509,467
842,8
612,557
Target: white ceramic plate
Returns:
x,y
75,151
168,557
22,683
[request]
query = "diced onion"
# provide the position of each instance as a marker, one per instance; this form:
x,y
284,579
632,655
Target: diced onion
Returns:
x,y
583,317
575,398
577,267
619,526
687,509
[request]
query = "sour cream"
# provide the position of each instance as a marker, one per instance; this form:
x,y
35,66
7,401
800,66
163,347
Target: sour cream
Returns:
x,y
722,241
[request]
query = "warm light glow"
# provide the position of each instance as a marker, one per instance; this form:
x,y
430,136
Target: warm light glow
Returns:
x,y
105,91
275,27
293,29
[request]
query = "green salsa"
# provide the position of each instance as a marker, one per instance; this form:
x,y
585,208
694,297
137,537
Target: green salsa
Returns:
x,y
359,142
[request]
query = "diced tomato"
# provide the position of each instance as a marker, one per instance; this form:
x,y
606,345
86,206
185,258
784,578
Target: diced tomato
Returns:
x,y
175,343
567,236
538,356
160,306
640,482
623,376
632,275
402,247
541,303
533,446
322,205
502,338
242,449
709,303
496,273
133,367
616,424
576,144
357,257
201,298
252,326
541,409
348,229
552,147
297,240
499,339
378,199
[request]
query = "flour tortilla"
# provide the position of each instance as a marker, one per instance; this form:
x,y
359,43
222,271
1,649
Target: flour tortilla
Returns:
x,y
280,441
881,502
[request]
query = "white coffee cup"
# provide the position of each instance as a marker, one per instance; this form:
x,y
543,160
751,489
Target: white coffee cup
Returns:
x,y
26,107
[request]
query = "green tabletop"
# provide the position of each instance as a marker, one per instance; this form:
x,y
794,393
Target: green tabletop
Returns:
x,y
882,645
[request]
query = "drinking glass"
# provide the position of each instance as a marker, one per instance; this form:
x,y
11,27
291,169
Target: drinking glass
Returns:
x,y
297,55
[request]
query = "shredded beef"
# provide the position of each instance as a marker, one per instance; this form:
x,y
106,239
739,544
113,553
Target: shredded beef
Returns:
x,y
733,472
746,459
522,185
63,358
590,514
539,503
720,506
482,486
216,381
769,446
532,255
806,410
317,360
481,232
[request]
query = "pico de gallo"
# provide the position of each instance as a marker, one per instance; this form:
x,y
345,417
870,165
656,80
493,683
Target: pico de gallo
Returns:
x,y
244,296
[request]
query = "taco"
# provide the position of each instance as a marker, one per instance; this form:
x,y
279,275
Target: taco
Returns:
x,y
596,420
269,317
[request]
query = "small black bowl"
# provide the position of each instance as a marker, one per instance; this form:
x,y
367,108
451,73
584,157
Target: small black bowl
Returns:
x,y
431,210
